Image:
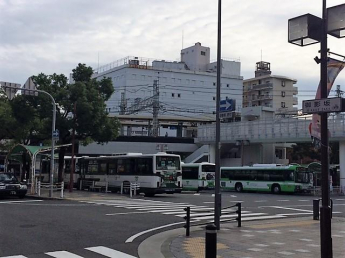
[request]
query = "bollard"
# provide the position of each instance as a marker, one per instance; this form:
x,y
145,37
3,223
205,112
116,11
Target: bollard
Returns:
x,y
130,190
39,188
316,209
187,218
211,241
62,189
239,212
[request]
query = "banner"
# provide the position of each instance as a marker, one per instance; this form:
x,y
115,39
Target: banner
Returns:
x,y
334,67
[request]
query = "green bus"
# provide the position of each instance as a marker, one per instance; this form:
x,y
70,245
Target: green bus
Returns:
x,y
267,178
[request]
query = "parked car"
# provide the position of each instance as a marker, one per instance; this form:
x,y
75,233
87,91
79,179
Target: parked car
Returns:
x,y
10,186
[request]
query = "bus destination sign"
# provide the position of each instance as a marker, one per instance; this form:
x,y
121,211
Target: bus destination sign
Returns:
x,y
328,105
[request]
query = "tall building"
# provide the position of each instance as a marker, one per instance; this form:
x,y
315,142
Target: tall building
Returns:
x,y
187,88
272,91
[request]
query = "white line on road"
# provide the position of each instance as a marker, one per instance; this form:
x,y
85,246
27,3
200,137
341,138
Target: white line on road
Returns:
x,y
109,252
126,213
208,202
21,201
261,201
287,208
283,200
130,240
233,196
14,256
304,200
63,254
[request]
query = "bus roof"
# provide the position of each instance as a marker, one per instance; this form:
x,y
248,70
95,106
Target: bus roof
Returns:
x,y
260,168
197,164
133,155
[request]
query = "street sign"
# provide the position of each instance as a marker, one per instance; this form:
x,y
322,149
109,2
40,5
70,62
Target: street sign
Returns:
x,y
327,105
227,105
56,135
29,85
10,88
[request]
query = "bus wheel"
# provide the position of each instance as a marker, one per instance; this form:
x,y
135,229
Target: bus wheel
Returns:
x,y
239,187
276,189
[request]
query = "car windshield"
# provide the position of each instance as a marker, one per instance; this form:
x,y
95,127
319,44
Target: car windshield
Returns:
x,y
168,163
6,177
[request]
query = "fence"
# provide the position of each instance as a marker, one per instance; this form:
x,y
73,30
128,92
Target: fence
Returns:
x,y
228,213
132,188
47,186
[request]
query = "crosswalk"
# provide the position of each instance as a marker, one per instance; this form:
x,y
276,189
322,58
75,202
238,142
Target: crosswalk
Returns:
x,y
199,213
100,251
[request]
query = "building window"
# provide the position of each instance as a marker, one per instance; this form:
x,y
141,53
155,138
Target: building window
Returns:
x,y
283,104
187,81
179,95
283,93
143,77
227,85
173,95
214,84
173,80
179,81
203,53
283,83
214,98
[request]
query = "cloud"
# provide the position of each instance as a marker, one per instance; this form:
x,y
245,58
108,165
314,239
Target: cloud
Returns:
x,y
54,36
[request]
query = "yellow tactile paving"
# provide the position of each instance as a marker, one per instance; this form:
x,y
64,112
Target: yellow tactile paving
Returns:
x,y
286,224
195,247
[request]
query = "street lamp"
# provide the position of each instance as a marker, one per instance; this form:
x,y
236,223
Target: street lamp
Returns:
x,y
306,30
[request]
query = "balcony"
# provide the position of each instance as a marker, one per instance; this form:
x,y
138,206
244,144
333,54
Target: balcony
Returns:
x,y
262,97
268,85
294,90
295,101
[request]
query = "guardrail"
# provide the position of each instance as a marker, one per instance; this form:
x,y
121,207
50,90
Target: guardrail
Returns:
x,y
132,187
225,211
47,186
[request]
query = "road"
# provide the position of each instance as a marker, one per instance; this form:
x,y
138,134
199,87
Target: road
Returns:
x,y
114,223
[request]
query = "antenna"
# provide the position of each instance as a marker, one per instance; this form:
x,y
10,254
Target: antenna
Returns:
x,y
98,61
261,55
182,38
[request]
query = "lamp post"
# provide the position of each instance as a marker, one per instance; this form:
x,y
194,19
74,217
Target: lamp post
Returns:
x,y
306,30
217,195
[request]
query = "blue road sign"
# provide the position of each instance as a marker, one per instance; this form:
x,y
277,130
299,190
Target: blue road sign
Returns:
x,y
227,105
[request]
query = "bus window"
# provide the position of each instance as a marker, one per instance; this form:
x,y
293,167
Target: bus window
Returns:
x,y
112,167
92,168
103,167
120,166
208,168
144,166
168,162
190,172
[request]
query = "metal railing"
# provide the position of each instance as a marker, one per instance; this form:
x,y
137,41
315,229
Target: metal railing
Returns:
x,y
59,187
132,187
192,218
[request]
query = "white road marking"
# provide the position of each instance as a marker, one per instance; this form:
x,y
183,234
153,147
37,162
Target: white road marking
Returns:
x,y
228,216
287,208
302,251
255,249
130,240
313,245
127,213
261,201
283,200
263,217
21,201
340,199
233,196
208,202
306,240
286,253
237,201
109,252
63,254
278,243
196,194
304,200
261,245
14,256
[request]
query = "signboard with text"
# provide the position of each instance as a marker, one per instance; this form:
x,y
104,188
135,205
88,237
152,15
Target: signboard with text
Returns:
x,y
327,105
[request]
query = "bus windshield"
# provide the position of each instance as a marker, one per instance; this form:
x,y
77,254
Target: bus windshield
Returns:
x,y
208,168
302,177
168,163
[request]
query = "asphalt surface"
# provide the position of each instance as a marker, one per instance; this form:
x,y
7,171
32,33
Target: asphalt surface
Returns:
x,y
33,227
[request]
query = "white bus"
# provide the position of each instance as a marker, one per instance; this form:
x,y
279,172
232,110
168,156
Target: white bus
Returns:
x,y
198,176
155,173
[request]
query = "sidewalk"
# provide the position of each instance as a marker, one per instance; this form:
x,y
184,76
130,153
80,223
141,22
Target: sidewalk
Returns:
x,y
261,239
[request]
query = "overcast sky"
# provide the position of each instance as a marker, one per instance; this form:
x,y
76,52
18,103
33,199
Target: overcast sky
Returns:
x,y
55,35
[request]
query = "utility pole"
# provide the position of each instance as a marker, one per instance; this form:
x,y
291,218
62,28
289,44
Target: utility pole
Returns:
x,y
71,183
217,195
325,211
155,108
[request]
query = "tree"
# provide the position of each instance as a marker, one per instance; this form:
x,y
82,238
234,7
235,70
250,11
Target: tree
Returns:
x,y
92,122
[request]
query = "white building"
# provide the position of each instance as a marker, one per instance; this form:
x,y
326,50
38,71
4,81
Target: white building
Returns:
x,y
187,89
273,91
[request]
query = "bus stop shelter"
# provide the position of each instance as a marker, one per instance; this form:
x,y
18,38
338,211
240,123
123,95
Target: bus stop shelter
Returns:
x,y
23,153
